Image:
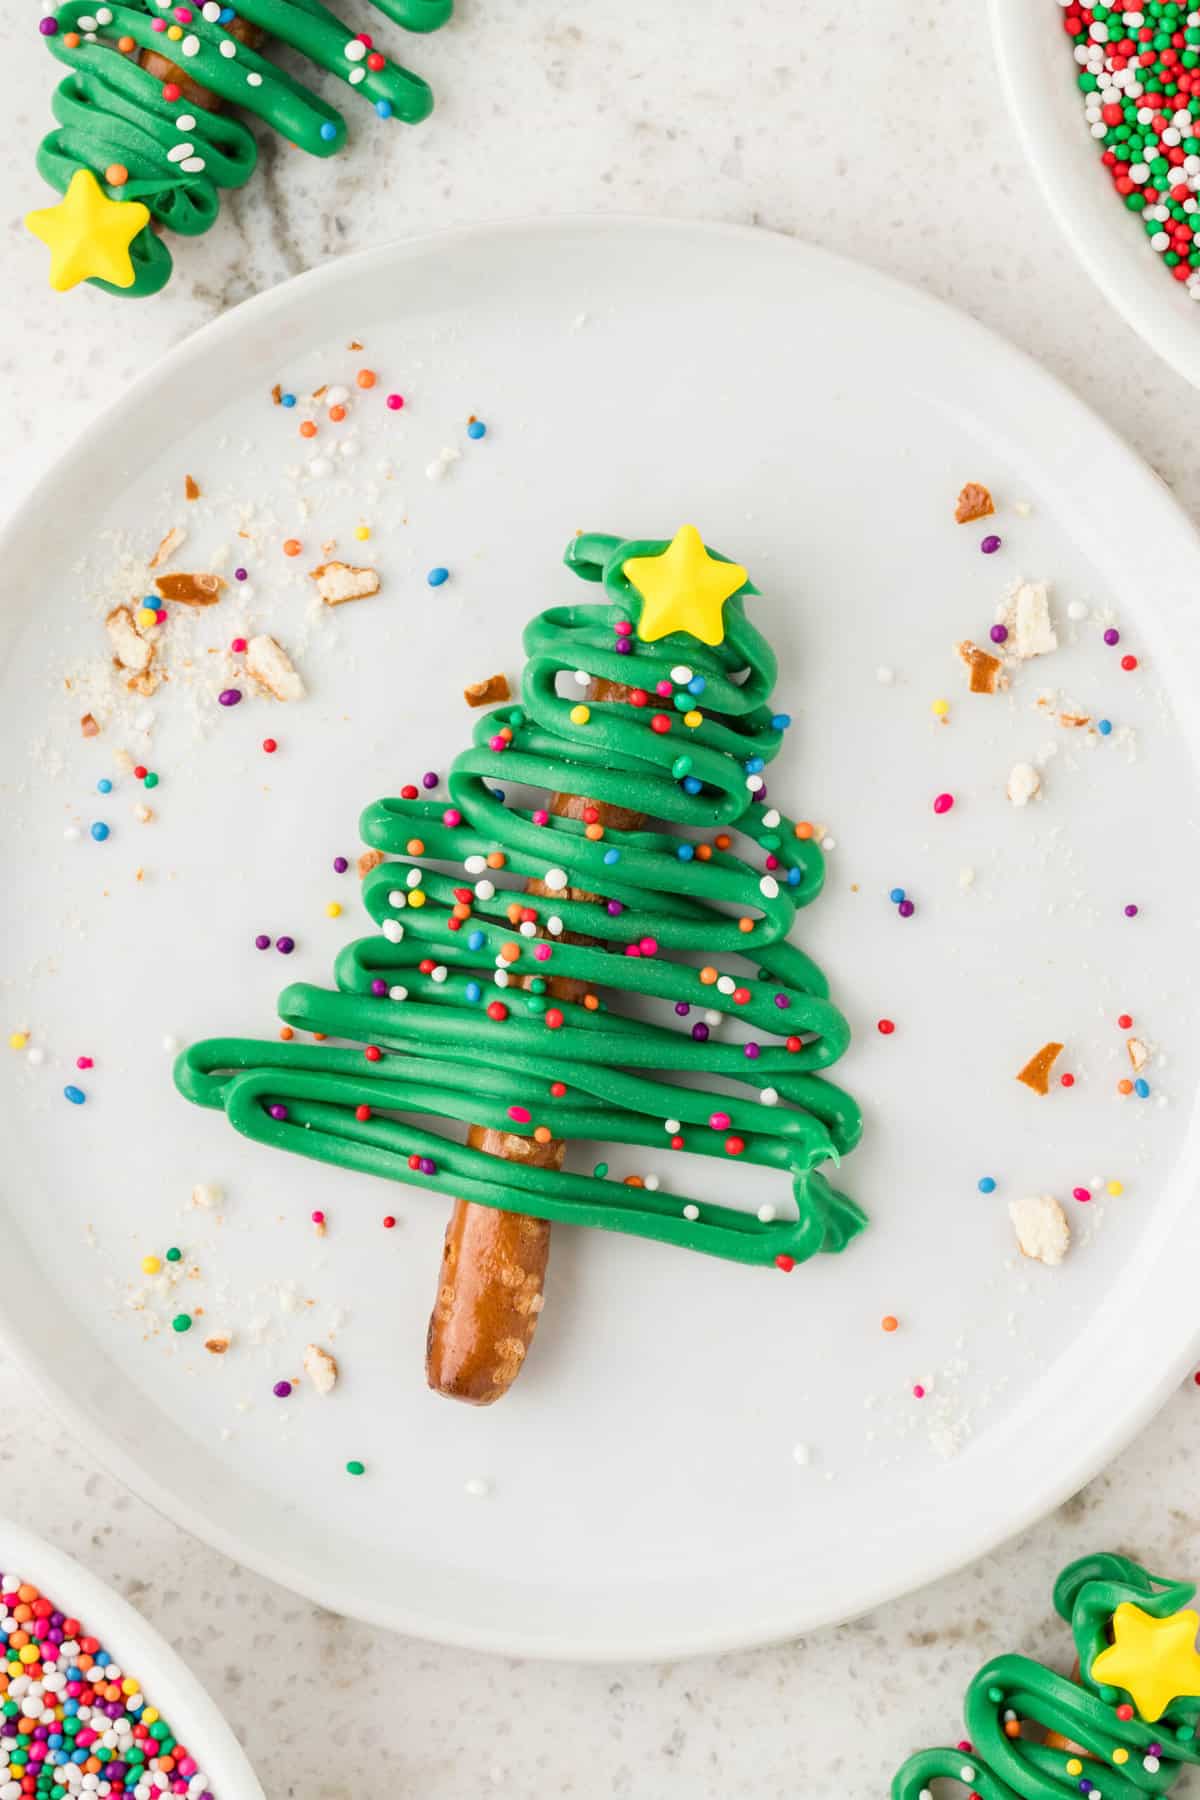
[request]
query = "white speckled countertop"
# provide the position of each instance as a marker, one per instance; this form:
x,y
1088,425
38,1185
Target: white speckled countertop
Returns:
x,y
886,143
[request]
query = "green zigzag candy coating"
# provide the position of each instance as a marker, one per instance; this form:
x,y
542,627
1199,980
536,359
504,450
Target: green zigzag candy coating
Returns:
x,y
998,1767
111,110
443,1055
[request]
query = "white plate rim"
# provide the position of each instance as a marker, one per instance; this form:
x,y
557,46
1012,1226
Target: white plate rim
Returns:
x,y
1089,447
1037,78
169,1683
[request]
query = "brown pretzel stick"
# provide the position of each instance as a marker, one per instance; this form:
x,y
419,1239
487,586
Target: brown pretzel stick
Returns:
x,y
164,70
494,1263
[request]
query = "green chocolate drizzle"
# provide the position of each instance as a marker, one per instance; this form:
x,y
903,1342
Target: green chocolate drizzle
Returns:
x,y
443,1055
999,1767
111,110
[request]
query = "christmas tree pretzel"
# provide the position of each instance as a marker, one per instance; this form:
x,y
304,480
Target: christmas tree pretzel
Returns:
x,y
142,140
452,1002
1123,1728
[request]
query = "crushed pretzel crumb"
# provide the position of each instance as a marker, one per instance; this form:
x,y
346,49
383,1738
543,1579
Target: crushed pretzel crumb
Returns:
x,y
88,725
1024,783
218,1343
269,664
974,502
983,669
191,488
167,546
338,582
130,649
1139,1054
1032,632
1040,1223
486,692
1036,1073
277,394
321,1368
190,590
1073,721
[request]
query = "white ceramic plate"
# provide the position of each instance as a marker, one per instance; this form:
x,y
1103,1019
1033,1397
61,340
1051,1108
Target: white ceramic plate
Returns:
x,y
817,421
1037,75
167,1682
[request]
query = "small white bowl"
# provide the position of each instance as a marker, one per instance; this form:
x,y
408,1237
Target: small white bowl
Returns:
x,y
1038,76
169,1684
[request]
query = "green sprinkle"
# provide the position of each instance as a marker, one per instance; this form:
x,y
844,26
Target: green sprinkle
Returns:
x,y
600,1170
181,1322
150,780
174,1255
356,1468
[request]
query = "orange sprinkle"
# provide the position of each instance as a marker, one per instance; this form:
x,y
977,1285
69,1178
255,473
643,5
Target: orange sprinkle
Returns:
x,y
337,414
505,732
703,852
126,44
116,174
634,1181
291,546
308,428
366,378
415,847
286,1033
591,1001
510,952
803,829
541,1134
1125,1086
460,910
71,40
496,859
745,924
319,1037
889,1323
513,912
28,1592
595,832
708,976
723,840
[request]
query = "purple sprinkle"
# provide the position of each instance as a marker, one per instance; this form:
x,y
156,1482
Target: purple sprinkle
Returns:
x,y
378,988
278,1112
285,945
1154,1749
990,544
613,908
700,1033
750,1050
47,27
429,779
1131,912
282,1389
428,1166
682,1008
782,1001
906,909
1112,636
240,575
229,696
340,865
262,941
998,634
623,647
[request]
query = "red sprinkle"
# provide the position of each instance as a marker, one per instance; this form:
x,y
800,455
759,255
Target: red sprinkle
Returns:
x,y
943,803
373,1053
1129,662
270,746
408,791
497,1009
1124,1021
554,1018
238,646
362,1114
885,1026
389,1224
1067,1080
786,1263
140,771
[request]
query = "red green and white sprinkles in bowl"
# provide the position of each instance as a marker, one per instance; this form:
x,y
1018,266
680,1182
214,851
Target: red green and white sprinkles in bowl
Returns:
x,y
72,1720
1139,73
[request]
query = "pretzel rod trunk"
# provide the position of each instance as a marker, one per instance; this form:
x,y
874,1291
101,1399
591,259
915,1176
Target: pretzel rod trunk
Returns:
x,y
494,1263
163,69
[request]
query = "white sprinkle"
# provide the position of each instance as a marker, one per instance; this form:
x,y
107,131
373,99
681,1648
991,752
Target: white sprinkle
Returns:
x,y
211,11
475,865
335,396
440,973
771,819
801,1454
398,993
413,878
885,676
828,843
1077,611
967,1772
170,1043
766,1214
179,152
554,925
528,928
555,880
691,1212
485,890
355,76
652,1183
397,897
754,782
713,1019
725,984
671,1127
768,887
35,1056
770,1096
190,45
582,677
501,978
253,79
681,674
475,1486
393,930
228,47
355,50
186,122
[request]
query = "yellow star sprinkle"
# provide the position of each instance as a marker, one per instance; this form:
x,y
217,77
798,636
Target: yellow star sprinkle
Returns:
x,y
683,588
89,234
1154,1660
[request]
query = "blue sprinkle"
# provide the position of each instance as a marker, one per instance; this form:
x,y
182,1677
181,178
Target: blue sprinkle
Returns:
x,y
476,941
226,15
476,429
697,684
986,1184
692,784
896,896
793,878
498,794
754,765
781,721
328,132
472,991
99,831
287,399
612,856
75,1095
1141,1088
1104,726
384,108
104,785
436,577
685,852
